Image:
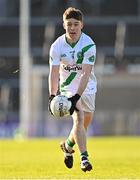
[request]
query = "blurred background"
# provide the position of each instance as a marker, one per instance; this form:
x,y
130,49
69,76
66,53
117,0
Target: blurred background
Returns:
x,y
27,29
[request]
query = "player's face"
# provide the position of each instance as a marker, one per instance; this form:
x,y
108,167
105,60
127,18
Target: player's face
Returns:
x,y
73,29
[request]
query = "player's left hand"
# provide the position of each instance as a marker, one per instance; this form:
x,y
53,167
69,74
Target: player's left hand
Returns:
x,y
50,99
74,100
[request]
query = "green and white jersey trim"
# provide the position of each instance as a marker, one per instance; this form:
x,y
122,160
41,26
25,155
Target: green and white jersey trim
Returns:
x,y
71,59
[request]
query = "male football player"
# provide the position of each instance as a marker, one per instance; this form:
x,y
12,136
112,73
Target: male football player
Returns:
x,y
72,58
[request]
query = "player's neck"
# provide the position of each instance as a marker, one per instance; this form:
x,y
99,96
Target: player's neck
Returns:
x,y
72,42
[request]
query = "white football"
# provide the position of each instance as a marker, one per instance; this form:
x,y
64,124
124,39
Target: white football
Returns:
x,y
60,106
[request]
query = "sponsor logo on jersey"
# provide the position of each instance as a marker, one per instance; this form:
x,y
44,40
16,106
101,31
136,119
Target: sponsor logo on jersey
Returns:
x,y
74,67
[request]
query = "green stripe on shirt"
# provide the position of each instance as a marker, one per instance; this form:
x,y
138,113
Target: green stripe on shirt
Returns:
x,y
68,80
81,54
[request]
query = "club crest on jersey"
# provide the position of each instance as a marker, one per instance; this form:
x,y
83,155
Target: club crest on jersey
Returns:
x,y
74,67
91,59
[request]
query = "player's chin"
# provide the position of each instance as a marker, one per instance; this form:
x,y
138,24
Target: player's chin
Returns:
x,y
73,36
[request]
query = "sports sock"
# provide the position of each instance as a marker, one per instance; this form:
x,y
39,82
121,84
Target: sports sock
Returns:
x,y
84,155
69,145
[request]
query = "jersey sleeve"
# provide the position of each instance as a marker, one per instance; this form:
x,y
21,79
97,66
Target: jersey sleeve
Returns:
x,y
90,55
54,55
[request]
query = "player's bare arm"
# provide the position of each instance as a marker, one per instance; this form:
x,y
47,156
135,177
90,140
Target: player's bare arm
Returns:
x,y
86,71
53,79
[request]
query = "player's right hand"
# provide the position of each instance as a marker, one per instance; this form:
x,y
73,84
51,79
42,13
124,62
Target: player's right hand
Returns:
x,y
50,99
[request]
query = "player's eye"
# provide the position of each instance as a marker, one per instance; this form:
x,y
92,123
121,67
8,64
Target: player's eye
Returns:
x,y
76,24
69,24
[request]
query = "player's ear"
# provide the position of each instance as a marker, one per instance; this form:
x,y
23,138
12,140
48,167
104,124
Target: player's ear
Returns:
x,y
64,25
82,25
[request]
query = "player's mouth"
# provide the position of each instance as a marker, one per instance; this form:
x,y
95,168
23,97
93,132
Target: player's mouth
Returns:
x,y
72,33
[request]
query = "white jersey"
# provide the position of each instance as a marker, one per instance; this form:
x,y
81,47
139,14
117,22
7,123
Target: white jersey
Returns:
x,y
70,60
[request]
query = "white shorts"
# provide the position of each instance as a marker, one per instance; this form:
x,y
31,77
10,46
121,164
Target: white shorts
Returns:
x,y
88,102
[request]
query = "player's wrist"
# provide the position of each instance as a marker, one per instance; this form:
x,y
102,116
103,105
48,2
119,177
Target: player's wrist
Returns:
x,y
51,97
77,96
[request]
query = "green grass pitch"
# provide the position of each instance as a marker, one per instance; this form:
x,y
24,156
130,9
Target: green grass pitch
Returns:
x,y
112,158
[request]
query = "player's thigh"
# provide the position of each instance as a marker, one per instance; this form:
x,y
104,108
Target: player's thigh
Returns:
x,y
88,102
88,106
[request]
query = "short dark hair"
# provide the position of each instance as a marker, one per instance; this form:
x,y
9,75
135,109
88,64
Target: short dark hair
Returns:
x,y
73,13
